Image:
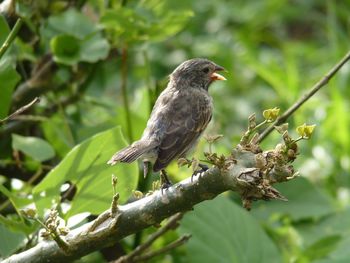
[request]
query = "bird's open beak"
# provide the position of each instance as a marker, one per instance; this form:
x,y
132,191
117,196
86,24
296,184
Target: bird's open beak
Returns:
x,y
217,76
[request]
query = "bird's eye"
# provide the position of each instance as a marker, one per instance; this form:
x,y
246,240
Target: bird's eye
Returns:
x,y
205,70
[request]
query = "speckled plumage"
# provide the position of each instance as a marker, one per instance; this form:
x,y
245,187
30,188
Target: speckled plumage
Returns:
x,y
179,116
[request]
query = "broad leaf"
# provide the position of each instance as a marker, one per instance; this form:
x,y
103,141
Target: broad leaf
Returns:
x,y
70,50
94,48
34,147
70,22
223,232
66,49
85,166
327,238
10,241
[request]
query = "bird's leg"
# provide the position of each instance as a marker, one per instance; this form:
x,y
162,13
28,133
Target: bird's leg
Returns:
x,y
164,180
199,172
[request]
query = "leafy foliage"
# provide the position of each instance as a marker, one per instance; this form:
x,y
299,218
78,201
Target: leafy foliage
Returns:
x,y
98,65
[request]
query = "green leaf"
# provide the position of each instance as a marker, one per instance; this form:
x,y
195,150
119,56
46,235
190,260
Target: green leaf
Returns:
x,y
70,50
85,166
331,260
10,241
223,232
8,74
17,224
304,201
34,147
4,30
66,49
70,22
57,134
146,22
94,48
8,79
334,224
322,247
17,201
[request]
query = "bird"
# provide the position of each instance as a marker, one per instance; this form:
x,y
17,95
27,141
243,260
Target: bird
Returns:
x,y
180,114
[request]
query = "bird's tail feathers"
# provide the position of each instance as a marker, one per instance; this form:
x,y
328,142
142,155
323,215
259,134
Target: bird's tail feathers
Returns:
x,y
130,153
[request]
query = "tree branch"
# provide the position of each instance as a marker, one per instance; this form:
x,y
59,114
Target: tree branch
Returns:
x,y
247,171
321,83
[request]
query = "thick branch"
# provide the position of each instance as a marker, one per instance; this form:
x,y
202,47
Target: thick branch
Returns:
x,y
244,172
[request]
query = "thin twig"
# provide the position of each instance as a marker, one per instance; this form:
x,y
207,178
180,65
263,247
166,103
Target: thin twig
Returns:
x,y
21,109
25,90
171,224
322,82
178,242
11,37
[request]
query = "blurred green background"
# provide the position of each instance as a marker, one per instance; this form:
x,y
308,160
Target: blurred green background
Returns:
x,y
99,65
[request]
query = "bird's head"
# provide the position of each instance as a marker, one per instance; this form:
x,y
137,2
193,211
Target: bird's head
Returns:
x,y
197,73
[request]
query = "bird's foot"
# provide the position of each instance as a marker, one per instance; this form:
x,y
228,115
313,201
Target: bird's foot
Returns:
x,y
165,181
199,172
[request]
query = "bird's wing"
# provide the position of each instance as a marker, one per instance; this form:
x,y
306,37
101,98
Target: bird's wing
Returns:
x,y
189,119
132,152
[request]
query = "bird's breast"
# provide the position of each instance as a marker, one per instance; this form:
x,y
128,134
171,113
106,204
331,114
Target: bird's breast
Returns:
x,y
175,106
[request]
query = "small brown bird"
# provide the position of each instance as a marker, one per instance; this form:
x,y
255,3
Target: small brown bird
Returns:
x,y
179,117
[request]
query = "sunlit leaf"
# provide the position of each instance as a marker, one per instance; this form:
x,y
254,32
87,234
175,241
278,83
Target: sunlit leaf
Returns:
x,y
86,167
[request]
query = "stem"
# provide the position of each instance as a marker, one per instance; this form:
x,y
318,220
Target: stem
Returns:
x,y
322,82
147,256
259,125
124,76
148,80
171,224
11,36
21,110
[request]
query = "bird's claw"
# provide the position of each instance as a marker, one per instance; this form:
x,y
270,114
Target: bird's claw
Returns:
x,y
165,186
203,169
165,181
